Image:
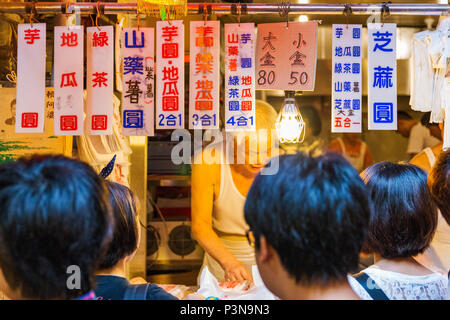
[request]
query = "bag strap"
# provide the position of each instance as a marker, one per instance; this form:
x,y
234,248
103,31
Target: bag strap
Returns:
x,y
136,292
374,291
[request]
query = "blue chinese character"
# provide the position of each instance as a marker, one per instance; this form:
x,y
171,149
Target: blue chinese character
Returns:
x,y
356,51
133,119
338,68
383,112
233,81
347,52
347,103
347,86
241,121
347,68
245,37
356,68
233,105
135,44
233,93
338,51
338,104
382,40
246,63
133,65
382,77
338,86
356,33
206,120
356,104
339,33
171,120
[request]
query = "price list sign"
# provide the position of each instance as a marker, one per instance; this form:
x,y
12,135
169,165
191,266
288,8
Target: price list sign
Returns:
x,y
240,77
30,90
170,74
346,78
100,80
69,83
204,75
138,81
286,55
382,74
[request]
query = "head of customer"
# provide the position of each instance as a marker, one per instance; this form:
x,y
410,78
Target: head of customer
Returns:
x,y
55,226
125,238
439,181
404,217
308,223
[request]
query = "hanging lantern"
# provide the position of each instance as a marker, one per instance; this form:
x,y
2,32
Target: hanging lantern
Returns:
x,y
290,125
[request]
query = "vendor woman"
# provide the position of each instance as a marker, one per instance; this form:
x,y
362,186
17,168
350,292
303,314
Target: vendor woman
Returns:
x,y
218,196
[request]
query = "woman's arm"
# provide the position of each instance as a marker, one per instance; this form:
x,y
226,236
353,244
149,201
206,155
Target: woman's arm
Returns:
x,y
202,197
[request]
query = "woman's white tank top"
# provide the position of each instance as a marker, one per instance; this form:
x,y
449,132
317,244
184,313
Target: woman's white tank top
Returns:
x,y
228,208
357,162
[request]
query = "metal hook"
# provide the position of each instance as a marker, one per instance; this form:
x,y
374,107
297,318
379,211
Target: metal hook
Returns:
x,y
205,13
67,15
168,15
138,18
33,9
347,12
283,10
98,14
384,11
239,14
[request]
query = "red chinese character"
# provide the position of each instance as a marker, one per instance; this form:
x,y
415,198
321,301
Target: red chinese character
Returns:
x,y
204,41
170,103
246,93
203,63
233,50
246,80
170,50
31,35
169,32
246,105
99,79
170,74
170,88
68,80
337,122
70,39
232,64
203,95
99,39
347,123
204,30
233,38
203,105
68,123
29,120
204,84
99,122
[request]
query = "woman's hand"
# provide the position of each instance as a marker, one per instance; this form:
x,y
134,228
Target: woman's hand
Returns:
x,y
236,271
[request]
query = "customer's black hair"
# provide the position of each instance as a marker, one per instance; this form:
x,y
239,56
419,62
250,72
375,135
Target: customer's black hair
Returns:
x,y
440,184
54,213
125,236
425,120
404,217
314,212
403,115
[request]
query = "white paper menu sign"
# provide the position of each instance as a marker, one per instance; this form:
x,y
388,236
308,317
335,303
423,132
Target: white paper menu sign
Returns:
x,y
68,80
239,77
30,91
346,78
138,81
100,80
382,70
169,74
286,57
204,75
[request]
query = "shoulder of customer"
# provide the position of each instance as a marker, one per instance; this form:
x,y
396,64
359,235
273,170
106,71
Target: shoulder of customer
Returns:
x,y
157,293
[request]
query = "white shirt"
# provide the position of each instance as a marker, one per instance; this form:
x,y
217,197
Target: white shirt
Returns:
x,y
420,138
399,286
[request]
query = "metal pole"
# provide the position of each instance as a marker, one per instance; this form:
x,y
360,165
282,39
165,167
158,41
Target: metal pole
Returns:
x,y
226,8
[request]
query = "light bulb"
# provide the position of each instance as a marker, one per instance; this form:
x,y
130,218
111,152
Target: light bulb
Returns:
x,y
303,18
290,125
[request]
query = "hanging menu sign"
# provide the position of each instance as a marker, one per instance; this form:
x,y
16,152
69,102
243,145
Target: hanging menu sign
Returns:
x,y
240,77
382,70
30,90
138,81
68,80
204,75
100,80
346,79
286,56
170,75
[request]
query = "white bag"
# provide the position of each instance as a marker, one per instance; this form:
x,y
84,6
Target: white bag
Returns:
x,y
209,287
